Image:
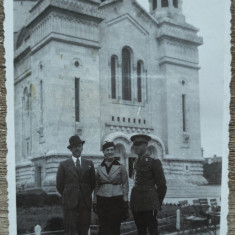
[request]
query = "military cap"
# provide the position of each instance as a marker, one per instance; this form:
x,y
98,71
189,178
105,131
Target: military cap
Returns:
x,y
140,138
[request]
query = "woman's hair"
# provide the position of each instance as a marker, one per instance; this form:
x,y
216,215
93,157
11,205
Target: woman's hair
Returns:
x,y
107,145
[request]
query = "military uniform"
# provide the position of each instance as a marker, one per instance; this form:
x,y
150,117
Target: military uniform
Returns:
x,y
148,193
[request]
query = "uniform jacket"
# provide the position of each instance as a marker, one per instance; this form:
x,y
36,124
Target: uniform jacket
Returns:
x,y
113,184
73,185
150,184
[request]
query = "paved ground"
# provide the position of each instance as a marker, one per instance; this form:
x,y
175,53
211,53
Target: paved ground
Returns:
x,y
217,233
203,233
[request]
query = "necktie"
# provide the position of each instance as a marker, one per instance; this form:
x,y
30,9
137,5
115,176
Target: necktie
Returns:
x,y
78,166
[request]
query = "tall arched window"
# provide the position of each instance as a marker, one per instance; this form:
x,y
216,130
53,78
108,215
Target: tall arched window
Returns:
x,y
26,102
139,80
164,3
26,123
175,3
126,74
113,76
77,99
184,113
41,103
154,4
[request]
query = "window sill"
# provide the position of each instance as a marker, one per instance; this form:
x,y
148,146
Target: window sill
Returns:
x,y
128,102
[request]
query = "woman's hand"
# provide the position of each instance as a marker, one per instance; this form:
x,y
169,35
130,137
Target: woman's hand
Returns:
x,y
125,211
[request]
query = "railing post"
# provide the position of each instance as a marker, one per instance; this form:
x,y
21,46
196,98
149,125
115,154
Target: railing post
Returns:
x,y
37,230
178,219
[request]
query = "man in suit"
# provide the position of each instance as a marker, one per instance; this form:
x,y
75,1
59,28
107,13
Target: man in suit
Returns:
x,y
75,182
150,187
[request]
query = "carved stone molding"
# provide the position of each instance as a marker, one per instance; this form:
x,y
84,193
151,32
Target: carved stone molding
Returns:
x,y
74,6
179,50
61,23
129,129
173,31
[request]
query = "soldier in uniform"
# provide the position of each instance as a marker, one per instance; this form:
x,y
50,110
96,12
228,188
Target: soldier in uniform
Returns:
x,y
150,187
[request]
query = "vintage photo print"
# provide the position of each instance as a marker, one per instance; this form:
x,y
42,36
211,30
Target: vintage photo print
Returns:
x,y
118,115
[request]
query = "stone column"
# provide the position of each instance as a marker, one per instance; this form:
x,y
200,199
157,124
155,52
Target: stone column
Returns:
x,y
170,4
134,83
151,5
159,4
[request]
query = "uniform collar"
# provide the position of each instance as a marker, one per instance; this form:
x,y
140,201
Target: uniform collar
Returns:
x,y
146,155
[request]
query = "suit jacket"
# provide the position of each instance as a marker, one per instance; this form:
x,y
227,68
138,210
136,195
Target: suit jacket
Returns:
x,y
113,184
150,184
73,185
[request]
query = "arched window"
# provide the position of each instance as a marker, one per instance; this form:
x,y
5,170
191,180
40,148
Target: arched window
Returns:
x,y
154,4
113,76
139,80
41,103
26,123
77,99
126,74
164,3
26,101
175,3
184,113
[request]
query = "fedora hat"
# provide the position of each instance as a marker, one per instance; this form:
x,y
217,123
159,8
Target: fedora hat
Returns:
x,y
74,140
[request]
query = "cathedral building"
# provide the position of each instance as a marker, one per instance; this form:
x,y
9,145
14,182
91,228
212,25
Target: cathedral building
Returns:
x,y
105,70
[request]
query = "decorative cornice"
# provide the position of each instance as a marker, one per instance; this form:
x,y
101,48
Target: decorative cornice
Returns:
x,y
169,60
23,164
57,37
21,53
129,128
72,6
65,39
22,76
79,28
172,22
167,31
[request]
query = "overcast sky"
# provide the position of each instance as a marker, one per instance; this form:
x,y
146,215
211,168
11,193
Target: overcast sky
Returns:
x,y
209,17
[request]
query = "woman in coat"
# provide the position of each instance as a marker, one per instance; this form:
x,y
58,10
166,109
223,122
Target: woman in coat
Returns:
x,y
111,194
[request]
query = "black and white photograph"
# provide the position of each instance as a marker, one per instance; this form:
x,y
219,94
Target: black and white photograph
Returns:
x,y
121,112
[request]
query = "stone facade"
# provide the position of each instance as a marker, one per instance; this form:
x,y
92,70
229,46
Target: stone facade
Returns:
x,y
105,70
